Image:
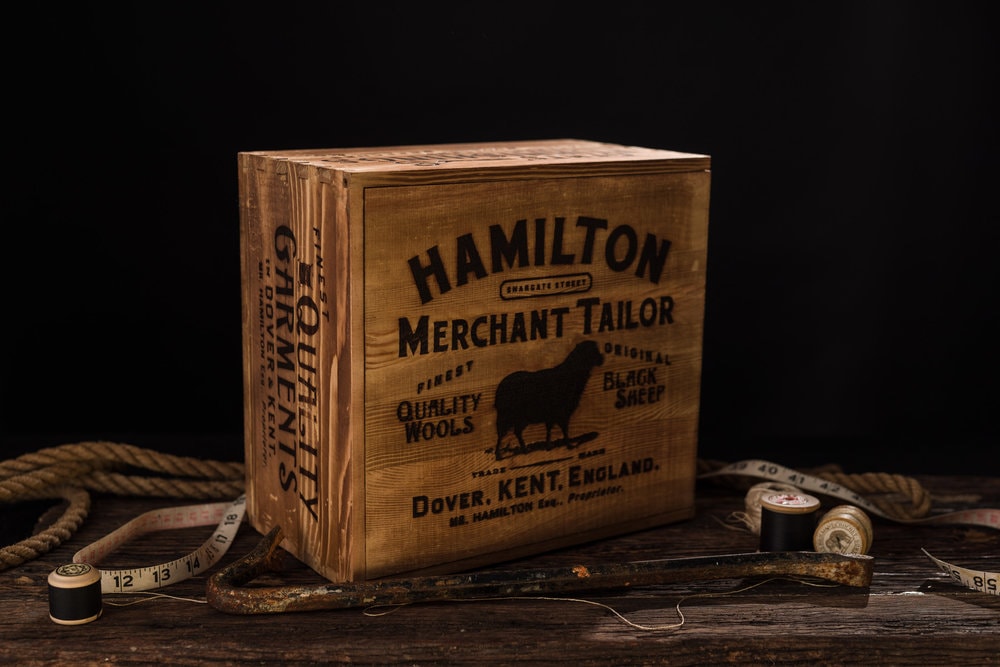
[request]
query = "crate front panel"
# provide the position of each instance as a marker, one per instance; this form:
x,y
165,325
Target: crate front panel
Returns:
x,y
532,361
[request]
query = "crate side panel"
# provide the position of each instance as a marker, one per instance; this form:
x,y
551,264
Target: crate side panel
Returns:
x,y
299,444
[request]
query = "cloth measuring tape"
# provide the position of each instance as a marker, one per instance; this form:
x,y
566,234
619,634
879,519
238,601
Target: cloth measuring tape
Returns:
x,y
73,594
984,582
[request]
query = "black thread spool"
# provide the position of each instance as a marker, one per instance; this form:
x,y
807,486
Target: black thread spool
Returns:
x,y
75,594
787,521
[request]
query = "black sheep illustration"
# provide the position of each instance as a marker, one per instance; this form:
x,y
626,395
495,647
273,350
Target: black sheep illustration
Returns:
x,y
548,396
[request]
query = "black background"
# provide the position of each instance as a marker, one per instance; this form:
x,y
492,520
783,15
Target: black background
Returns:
x,y
851,313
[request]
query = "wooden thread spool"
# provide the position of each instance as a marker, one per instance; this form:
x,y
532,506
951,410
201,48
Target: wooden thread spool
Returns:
x,y
75,594
787,521
845,529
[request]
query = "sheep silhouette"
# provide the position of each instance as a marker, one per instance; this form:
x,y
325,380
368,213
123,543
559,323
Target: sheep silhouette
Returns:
x,y
549,396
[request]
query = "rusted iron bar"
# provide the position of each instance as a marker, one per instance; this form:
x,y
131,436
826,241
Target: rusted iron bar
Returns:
x,y
227,590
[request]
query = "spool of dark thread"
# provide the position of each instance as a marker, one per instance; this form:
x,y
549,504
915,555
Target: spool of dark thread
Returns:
x,y
787,521
75,594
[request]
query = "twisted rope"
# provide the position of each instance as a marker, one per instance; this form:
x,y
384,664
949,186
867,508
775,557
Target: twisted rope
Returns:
x,y
900,497
71,471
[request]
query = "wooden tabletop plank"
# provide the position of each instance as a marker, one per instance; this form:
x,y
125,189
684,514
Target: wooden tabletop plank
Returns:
x,y
912,612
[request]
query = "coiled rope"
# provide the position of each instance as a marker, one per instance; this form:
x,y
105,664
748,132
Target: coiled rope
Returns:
x,y
70,472
899,497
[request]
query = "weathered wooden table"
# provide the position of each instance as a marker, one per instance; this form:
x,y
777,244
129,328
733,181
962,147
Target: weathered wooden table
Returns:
x,y
911,614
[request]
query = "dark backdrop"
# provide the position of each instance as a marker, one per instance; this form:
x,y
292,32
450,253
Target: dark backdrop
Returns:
x,y
852,285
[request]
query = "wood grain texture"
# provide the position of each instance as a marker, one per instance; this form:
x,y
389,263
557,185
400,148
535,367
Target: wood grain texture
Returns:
x,y
912,614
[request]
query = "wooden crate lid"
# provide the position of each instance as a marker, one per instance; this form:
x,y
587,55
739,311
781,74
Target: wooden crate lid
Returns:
x,y
484,155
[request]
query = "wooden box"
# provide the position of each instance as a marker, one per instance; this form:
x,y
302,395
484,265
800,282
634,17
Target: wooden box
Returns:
x,y
460,354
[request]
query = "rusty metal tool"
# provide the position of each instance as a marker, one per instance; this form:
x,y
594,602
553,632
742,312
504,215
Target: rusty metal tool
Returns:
x,y
227,590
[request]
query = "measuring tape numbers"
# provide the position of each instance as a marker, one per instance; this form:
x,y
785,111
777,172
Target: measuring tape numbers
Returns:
x,y
75,589
228,516
984,582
